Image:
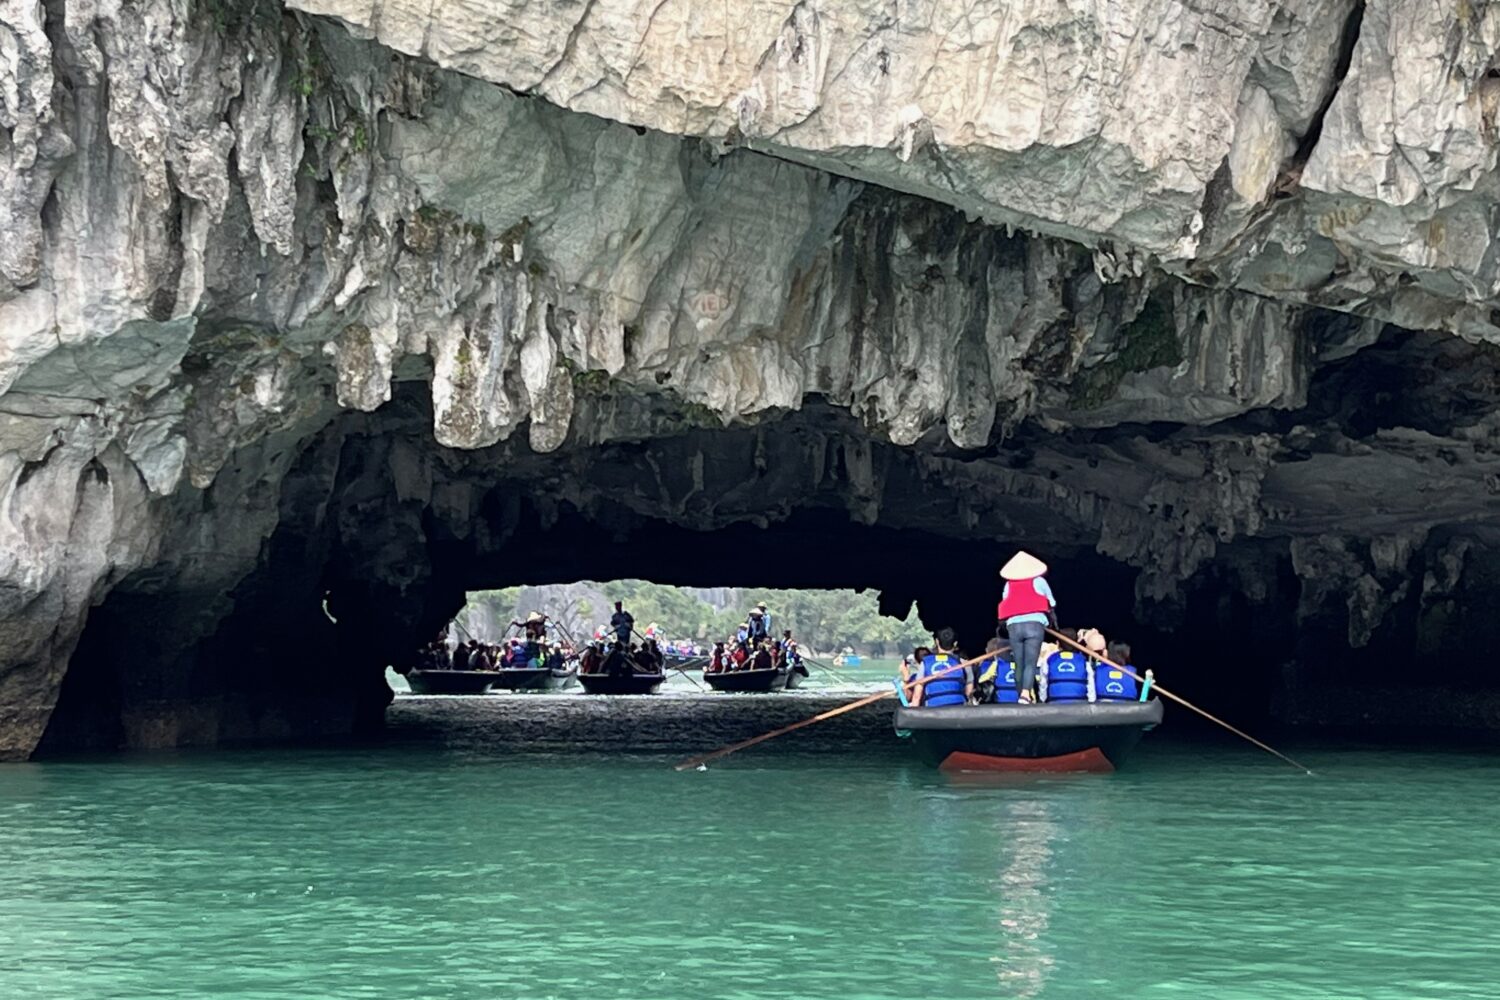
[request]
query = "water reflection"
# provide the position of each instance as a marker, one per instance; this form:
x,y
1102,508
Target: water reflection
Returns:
x,y
1025,963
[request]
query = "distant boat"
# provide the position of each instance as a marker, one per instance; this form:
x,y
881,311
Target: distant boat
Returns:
x,y
748,681
603,672
621,683
1052,736
450,681
554,678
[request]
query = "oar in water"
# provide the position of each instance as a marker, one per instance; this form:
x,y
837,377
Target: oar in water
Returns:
x,y
1180,700
663,656
825,668
917,683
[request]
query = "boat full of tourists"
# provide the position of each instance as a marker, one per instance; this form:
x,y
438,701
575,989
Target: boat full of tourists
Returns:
x,y
531,665
618,668
744,666
557,674
1091,715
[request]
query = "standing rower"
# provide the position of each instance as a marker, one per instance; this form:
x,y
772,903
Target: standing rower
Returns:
x,y
759,621
623,623
1026,608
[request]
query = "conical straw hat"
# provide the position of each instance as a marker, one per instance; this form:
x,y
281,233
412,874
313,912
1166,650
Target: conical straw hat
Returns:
x,y
535,616
1023,566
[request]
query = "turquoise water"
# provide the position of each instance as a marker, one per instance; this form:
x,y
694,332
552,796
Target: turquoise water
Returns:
x,y
455,866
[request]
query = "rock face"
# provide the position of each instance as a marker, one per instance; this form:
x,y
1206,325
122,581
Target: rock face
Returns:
x,y
312,317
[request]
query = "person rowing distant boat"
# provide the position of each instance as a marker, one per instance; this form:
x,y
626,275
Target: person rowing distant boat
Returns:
x,y
535,627
622,623
758,624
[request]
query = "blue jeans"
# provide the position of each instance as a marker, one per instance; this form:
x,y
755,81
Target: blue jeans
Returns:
x,y
1026,646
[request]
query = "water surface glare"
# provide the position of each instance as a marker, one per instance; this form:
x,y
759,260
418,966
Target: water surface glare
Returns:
x,y
456,868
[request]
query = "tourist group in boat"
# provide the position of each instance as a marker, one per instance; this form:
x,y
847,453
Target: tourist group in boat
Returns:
x,y
1020,666
1026,704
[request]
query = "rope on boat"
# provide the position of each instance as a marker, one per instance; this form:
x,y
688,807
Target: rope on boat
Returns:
x,y
702,759
1180,700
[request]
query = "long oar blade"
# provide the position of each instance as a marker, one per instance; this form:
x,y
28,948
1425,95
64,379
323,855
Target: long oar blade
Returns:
x,y
1180,700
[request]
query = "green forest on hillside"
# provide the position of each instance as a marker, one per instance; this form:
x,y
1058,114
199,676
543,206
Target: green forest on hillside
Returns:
x,y
824,620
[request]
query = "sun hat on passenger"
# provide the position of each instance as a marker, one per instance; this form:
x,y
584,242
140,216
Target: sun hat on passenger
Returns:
x,y
1023,566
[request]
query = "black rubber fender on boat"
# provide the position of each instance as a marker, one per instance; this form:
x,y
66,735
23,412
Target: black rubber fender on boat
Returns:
x,y
1049,715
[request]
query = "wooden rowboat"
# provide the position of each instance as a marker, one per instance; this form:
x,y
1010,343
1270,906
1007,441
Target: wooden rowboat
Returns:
x,y
450,681
748,681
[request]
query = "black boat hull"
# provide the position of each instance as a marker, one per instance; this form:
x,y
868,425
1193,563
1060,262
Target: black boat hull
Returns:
x,y
1062,736
450,681
621,683
747,681
534,679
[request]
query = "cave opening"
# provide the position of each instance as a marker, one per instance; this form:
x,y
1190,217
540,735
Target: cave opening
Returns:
x,y
383,535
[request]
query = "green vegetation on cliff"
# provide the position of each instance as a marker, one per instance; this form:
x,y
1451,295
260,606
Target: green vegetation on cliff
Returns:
x,y
820,619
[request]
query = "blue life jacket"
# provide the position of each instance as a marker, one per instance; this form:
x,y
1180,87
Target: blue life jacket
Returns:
x,y
1005,682
1115,685
946,690
1067,677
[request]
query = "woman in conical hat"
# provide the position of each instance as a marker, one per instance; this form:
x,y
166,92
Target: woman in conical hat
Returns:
x,y
1023,566
1026,608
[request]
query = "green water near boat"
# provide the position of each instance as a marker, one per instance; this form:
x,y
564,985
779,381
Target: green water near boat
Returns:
x,y
449,866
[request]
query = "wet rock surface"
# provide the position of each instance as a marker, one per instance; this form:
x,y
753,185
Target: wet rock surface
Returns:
x,y
681,723
312,317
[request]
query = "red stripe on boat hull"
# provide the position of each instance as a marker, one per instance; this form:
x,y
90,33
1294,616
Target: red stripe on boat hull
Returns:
x,y
1092,759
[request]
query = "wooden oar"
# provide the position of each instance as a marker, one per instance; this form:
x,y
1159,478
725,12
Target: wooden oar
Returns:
x,y
664,666
1180,700
699,761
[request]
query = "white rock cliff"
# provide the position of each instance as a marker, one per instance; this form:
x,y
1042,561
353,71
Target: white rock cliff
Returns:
x,y
224,224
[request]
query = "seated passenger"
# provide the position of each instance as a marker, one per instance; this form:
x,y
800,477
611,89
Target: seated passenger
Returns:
x,y
997,653
1065,675
944,682
1113,684
716,661
911,669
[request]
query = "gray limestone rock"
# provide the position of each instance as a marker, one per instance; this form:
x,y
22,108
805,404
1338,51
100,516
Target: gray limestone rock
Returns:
x,y
1011,248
